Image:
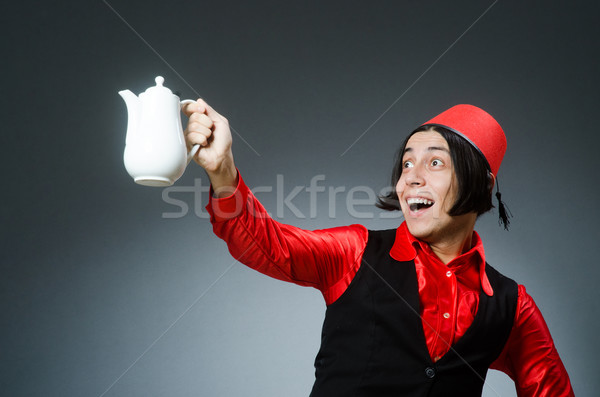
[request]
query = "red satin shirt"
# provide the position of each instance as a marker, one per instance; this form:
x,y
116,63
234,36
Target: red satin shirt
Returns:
x,y
328,259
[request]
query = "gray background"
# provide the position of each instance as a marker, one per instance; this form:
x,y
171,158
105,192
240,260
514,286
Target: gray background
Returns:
x,y
103,294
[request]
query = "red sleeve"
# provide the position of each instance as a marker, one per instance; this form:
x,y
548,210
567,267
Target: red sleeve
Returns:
x,y
530,357
325,259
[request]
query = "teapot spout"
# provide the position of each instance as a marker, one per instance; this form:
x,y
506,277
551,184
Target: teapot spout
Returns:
x,y
133,112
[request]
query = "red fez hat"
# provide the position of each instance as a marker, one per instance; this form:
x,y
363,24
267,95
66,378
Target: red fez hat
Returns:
x,y
479,128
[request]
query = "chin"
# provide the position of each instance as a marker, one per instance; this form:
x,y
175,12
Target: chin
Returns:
x,y
421,232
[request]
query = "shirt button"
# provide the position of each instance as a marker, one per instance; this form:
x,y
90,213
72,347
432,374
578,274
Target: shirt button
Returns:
x,y
429,372
446,315
448,273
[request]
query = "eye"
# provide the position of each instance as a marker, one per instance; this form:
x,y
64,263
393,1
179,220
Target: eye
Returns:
x,y
407,164
437,163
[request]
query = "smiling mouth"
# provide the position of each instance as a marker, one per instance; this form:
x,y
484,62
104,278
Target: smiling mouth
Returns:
x,y
416,204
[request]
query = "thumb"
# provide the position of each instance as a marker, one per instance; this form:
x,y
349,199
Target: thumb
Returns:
x,y
211,113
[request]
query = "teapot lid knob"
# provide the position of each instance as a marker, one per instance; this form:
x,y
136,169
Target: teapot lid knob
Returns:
x,y
158,89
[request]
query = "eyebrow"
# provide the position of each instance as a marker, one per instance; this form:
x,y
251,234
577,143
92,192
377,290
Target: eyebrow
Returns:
x,y
429,149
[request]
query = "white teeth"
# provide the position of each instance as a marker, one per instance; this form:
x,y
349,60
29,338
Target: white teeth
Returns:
x,y
419,200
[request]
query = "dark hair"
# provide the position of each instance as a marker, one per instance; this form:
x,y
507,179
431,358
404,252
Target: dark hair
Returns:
x,y
471,169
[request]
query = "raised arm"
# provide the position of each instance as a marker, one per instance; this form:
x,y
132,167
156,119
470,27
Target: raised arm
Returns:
x,y
325,259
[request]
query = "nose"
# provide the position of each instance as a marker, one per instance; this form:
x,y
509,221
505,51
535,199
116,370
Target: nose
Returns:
x,y
414,176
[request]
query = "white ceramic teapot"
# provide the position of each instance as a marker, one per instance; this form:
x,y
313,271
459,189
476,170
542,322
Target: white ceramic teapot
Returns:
x,y
155,151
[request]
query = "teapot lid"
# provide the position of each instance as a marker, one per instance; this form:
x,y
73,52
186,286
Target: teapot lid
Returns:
x,y
158,89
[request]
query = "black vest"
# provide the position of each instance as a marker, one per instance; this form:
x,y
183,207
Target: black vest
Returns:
x,y
373,343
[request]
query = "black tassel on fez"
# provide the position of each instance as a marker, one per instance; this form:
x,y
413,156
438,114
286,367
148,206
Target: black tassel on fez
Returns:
x,y
503,210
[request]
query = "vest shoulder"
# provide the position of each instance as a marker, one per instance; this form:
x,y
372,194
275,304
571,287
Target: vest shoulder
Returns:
x,y
381,239
498,279
381,233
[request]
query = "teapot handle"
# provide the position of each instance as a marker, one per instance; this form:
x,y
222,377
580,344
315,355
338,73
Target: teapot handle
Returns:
x,y
195,148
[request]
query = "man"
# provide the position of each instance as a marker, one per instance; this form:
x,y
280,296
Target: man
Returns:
x,y
414,311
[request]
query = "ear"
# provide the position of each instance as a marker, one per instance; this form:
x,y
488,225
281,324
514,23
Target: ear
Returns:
x,y
491,181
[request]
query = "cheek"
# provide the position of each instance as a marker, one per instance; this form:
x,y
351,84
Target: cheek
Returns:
x,y
400,193
400,187
448,192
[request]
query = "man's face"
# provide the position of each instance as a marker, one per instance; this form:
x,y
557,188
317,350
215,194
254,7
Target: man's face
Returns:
x,y
427,189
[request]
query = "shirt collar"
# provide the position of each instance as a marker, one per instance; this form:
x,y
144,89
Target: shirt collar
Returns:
x,y
406,246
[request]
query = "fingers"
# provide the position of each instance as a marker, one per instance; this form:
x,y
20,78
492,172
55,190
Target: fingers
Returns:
x,y
200,119
203,123
201,107
196,128
199,128
196,138
196,107
198,132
